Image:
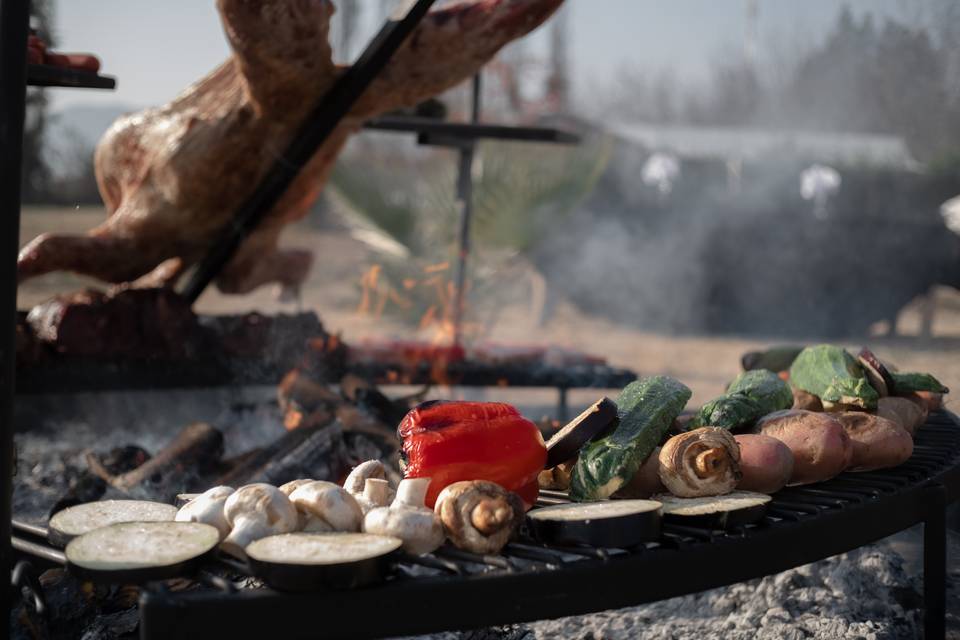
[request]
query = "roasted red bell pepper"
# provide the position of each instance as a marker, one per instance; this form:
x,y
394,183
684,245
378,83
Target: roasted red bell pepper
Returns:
x,y
454,441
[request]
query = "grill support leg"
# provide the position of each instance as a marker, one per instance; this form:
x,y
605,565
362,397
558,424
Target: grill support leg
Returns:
x,y
935,563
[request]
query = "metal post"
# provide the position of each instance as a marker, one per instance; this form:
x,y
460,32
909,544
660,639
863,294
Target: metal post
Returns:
x,y
465,201
14,28
935,563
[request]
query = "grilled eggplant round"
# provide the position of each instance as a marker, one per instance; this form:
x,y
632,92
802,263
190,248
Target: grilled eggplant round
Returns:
x,y
314,562
715,512
75,521
609,523
138,552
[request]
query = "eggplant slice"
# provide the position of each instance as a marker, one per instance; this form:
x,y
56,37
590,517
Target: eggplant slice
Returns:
x,y
312,561
566,443
609,523
877,374
715,512
69,523
138,552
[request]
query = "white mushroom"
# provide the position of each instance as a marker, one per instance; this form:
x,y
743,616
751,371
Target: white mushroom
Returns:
x,y
408,519
290,487
479,516
256,511
357,480
293,485
207,508
376,493
327,507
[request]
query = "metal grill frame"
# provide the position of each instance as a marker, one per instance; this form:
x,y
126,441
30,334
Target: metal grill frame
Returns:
x,y
533,582
530,581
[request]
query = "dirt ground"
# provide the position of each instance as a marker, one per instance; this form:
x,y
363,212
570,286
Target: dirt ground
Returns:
x,y
705,363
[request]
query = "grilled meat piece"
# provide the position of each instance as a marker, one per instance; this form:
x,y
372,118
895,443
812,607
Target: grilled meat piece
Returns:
x,y
171,177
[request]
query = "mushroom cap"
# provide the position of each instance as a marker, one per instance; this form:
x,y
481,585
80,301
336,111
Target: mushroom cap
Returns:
x,y
478,515
702,462
358,477
207,508
293,485
262,502
255,511
330,503
419,528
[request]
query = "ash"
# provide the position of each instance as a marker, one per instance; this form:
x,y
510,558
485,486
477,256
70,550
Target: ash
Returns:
x,y
872,593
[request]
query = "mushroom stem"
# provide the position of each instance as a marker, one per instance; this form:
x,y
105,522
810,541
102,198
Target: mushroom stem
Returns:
x,y
377,491
412,492
711,461
490,514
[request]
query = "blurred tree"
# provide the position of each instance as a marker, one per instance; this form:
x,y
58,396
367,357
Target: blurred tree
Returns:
x,y
35,172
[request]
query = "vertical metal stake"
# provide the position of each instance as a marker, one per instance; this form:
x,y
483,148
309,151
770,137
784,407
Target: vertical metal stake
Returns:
x,y
465,201
935,563
14,28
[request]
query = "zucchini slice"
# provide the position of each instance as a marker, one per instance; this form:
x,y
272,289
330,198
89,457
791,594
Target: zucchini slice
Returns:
x,y
137,552
716,512
608,523
312,561
75,521
566,443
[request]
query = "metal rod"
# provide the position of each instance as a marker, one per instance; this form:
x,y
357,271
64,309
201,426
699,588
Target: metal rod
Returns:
x,y
39,550
319,125
465,200
14,28
935,563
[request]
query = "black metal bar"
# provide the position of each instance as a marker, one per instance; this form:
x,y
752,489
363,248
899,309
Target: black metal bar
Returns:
x,y
14,28
433,130
935,563
319,125
44,75
465,202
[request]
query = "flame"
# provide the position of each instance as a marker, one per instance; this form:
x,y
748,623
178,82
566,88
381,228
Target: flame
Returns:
x,y
437,324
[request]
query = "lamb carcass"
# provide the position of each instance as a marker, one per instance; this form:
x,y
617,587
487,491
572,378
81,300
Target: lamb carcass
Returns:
x,y
171,177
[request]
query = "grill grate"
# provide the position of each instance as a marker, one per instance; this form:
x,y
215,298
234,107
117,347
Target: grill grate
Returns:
x,y
802,524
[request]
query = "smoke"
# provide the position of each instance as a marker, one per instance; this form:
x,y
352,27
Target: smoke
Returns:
x,y
755,259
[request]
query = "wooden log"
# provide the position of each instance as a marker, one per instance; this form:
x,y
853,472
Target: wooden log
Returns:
x,y
282,446
197,446
319,456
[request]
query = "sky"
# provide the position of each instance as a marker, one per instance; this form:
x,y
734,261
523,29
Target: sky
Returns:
x,y
155,49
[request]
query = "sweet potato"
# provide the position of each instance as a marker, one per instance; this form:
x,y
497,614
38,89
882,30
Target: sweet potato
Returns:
x,y
806,401
646,481
821,447
929,400
878,443
907,414
766,464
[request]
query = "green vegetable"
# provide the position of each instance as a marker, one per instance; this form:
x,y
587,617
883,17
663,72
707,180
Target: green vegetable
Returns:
x,y
751,396
765,387
646,409
904,383
834,376
727,412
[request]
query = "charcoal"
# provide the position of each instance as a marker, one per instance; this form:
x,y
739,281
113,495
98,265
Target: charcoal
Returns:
x,y
87,488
